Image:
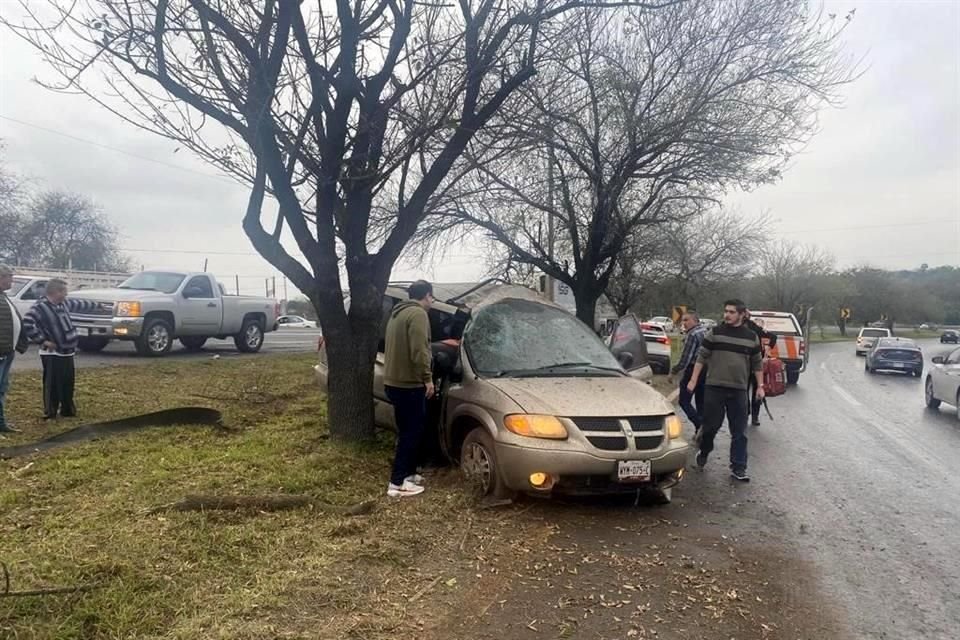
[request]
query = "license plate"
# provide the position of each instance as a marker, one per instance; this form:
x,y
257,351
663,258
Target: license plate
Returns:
x,y
633,470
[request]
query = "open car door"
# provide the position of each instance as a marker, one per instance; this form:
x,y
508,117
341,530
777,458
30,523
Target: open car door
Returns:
x,y
629,347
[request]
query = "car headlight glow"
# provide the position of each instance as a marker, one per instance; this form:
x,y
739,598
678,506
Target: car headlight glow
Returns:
x,y
127,309
674,426
535,426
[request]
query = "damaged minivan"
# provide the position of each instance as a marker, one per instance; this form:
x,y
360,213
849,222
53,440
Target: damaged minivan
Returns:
x,y
531,400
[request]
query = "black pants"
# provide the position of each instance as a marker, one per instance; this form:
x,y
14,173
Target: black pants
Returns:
x,y
58,380
692,403
755,404
410,410
720,401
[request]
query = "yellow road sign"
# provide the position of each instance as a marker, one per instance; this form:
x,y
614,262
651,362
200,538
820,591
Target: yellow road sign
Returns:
x,y
845,313
678,311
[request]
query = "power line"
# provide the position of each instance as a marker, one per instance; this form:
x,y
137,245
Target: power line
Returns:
x,y
115,149
868,226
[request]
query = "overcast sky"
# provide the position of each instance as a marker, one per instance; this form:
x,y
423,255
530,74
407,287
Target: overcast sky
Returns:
x,y
879,185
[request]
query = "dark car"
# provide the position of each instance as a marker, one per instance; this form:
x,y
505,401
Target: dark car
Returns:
x,y
895,354
950,336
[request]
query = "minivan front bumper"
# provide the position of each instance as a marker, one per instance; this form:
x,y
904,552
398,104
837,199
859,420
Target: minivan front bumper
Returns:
x,y
517,463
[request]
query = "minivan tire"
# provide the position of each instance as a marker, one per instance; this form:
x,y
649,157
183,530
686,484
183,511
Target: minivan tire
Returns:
x,y
479,465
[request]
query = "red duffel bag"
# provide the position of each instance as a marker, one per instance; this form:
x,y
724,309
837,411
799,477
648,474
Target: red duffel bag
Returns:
x,y
774,377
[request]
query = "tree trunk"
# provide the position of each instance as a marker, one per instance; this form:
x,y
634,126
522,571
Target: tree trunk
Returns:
x,y
351,347
587,296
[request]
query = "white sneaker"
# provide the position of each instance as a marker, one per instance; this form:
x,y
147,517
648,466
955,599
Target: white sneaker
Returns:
x,y
406,490
415,479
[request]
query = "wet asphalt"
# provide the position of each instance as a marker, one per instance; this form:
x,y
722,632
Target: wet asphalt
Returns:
x,y
856,477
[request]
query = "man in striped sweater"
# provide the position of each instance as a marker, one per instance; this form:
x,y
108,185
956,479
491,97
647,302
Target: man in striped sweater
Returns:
x,y
13,340
48,324
733,352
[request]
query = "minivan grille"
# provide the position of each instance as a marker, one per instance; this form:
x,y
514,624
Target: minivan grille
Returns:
x,y
646,423
648,442
598,424
608,443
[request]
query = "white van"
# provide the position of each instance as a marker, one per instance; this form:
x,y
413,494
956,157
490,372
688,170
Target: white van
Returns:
x,y
868,336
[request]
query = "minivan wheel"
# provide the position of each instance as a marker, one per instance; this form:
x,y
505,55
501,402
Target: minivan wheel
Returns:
x,y
478,463
932,402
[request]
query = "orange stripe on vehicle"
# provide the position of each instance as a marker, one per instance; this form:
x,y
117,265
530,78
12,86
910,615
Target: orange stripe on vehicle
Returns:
x,y
793,349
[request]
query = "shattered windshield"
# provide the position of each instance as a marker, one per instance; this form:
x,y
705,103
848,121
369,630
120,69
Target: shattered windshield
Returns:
x,y
525,337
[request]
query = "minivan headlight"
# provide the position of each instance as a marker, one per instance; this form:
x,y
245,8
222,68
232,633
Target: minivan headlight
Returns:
x,y
674,426
535,426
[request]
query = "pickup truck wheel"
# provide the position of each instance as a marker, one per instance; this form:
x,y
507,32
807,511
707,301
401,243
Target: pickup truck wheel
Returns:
x,y
250,338
92,345
156,339
193,343
793,377
478,462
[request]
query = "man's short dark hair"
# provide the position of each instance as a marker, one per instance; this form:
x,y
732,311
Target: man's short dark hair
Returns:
x,y
693,313
736,302
420,290
55,285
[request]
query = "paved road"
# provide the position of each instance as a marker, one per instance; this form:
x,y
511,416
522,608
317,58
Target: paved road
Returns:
x,y
861,479
123,353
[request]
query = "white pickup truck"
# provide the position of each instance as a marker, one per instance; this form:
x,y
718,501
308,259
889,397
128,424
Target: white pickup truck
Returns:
x,y
152,308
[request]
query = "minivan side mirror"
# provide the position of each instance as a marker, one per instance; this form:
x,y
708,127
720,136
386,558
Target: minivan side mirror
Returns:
x,y
938,360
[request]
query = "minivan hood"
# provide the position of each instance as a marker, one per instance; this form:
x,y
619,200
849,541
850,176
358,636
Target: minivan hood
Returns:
x,y
115,295
584,397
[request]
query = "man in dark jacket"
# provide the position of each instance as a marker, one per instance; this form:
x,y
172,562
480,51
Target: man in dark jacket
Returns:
x,y
408,382
767,341
48,324
731,355
13,340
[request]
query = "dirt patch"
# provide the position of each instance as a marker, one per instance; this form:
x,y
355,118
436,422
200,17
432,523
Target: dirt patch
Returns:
x,y
615,571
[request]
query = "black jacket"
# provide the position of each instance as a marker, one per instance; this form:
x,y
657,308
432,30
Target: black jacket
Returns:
x,y
762,333
7,309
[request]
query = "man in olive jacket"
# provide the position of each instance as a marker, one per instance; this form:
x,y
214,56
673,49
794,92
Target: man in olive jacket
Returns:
x,y
408,381
13,340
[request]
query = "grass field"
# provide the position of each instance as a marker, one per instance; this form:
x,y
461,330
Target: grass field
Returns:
x,y
78,516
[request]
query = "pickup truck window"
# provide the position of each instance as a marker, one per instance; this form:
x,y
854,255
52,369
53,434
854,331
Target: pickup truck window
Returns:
x,y
199,287
18,283
35,292
154,281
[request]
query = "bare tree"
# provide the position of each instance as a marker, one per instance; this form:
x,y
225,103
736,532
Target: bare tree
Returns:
x,y
689,257
789,274
343,112
638,111
67,231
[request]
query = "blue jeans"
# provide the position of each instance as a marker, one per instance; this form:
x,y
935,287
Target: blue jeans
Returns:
x,y
410,410
687,399
720,401
6,362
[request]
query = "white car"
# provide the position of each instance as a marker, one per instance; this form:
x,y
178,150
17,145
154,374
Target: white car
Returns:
x,y
708,323
943,381
868,336
658,346
295,322
664,322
